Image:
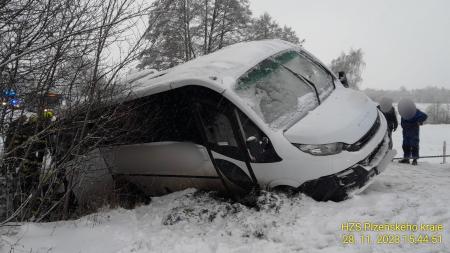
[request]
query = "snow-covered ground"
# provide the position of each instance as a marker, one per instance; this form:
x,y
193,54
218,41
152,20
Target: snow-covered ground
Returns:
x,y
198,222
431,141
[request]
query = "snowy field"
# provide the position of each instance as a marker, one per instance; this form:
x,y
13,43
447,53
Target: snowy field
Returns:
x,y
189,222
198,222
431,141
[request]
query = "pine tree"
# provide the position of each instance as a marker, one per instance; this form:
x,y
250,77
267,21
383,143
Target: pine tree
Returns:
x,y
264,27
197,27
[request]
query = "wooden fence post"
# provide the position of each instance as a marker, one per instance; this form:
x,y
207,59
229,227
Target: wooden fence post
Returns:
x,y
444,151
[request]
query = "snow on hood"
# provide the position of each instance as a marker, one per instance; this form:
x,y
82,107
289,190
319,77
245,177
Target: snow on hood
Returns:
x,y
345,116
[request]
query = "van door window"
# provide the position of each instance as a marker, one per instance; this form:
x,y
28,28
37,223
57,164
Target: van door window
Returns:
x,y
219,132
259,146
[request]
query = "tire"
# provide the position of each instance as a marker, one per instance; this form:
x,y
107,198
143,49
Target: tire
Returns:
x,y
286,189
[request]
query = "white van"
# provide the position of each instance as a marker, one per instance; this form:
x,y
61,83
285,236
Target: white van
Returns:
x,y
261,114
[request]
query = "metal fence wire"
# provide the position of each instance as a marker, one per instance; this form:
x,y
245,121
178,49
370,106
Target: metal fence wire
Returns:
x,y
443,156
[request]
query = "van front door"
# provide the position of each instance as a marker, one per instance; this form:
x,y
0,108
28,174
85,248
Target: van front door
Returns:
x,y
226,144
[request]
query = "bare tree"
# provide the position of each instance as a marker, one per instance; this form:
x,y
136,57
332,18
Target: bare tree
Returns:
x,y
68,47
438,113
352,63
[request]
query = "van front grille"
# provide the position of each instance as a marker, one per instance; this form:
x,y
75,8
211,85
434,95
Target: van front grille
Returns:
x,y
367,161
366,138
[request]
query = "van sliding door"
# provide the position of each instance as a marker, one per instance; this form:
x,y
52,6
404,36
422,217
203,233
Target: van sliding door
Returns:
x,y
225,141
162,149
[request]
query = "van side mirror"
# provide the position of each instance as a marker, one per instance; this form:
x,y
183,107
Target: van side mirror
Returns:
x,y
251,139
255,147
343,78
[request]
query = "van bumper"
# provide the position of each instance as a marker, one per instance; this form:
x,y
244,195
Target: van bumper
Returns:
x,y
341,185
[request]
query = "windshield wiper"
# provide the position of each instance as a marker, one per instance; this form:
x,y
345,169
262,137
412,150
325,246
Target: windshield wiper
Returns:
x,y
315,61
304,79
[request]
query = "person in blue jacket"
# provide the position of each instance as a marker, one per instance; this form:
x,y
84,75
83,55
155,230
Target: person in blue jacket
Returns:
x,y
412,119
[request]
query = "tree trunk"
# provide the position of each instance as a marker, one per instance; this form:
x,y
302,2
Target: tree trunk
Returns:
x,y
205,38
213,24
223,30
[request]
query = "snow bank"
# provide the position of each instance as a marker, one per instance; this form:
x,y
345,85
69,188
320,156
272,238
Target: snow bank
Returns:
x,y
190,221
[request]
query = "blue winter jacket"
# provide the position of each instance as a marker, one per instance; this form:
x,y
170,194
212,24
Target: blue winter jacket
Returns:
x,y
411,128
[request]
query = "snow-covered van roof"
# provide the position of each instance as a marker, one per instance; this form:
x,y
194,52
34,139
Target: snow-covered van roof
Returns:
x,y
218,71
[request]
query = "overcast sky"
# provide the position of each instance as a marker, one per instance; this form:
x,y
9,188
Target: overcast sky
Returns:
x,y
405,42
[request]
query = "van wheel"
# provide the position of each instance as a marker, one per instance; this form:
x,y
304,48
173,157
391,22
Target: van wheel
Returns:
x,y
286,189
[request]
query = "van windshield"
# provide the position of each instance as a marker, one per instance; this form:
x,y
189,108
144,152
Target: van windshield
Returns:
x,y
278,95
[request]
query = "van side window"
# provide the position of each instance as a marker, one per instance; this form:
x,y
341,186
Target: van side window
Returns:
x,y
260,148
174,120
219,132
163,117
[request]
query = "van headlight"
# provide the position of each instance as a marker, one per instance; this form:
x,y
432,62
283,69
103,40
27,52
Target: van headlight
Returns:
x,y
322,149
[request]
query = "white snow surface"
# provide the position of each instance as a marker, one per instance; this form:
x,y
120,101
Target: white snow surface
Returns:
x,y
197,222
188,221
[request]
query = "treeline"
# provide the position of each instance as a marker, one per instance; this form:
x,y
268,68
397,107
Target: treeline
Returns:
x,y
438,99
423,95
192,28
438,113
